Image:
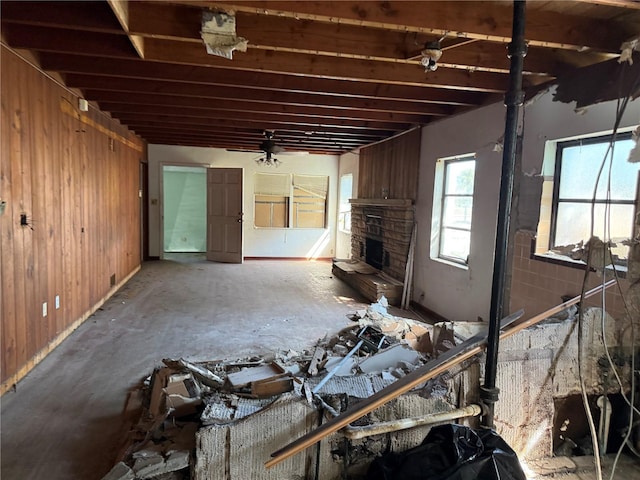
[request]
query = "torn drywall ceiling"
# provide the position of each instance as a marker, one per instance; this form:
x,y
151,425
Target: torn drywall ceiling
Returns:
x,y
219,34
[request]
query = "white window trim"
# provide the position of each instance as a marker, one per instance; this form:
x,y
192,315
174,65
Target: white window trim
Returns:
x,y
436,215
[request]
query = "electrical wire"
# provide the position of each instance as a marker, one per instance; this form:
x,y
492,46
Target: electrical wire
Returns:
x,y
607,253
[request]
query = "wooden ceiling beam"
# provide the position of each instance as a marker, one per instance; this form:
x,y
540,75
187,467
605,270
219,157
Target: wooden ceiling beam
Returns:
x,y
86,16
103,88
225,145
256,116
115,46
624,4
253,139
221,107
240,143
120,9
92,44
327,67
237,128
469,19
175,22
131,117
190,75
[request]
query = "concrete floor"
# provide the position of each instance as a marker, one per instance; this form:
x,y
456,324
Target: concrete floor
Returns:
x,y
63,422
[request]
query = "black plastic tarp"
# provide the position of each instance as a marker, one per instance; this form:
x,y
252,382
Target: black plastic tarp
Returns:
x,y
451,452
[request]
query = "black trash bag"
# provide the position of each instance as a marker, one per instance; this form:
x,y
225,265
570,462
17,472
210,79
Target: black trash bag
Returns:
x,y
451,452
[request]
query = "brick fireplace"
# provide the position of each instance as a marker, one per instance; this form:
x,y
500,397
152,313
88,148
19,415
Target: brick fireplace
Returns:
x,y
381,233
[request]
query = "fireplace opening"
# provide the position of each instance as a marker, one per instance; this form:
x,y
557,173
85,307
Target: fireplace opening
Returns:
x,y
374,253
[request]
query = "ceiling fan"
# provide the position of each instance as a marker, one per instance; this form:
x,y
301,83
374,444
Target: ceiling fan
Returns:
x,y
269,150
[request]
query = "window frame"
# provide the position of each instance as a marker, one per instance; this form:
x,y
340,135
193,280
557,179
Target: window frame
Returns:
x,y
291,206
344,214
445,175
557,172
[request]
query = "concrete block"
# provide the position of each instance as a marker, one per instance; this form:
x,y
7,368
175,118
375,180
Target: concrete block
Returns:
x,y
252,442
120,471
212,453
239,450
524,414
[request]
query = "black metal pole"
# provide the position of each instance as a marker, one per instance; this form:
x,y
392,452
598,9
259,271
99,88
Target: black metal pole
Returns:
x,y
513,100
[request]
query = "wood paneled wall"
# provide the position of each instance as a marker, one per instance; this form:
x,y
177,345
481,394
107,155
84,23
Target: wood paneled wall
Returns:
x,y
75,176
391,167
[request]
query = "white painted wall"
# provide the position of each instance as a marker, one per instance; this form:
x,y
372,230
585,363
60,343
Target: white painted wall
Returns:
x,y
258,242
464,293
349,163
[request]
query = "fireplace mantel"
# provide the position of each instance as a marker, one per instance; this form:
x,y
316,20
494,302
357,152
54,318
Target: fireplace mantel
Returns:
x,y
381,202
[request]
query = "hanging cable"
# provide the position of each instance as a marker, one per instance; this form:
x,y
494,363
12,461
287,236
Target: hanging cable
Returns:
x,y
607,253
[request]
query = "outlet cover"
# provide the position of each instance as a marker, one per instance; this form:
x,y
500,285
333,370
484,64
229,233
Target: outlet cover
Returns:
x,y
57,302
44,309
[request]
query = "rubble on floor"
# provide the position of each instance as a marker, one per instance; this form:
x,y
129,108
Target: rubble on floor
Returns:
x,y
208,404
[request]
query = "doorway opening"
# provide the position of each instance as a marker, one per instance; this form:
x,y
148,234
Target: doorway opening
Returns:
x,y
184,209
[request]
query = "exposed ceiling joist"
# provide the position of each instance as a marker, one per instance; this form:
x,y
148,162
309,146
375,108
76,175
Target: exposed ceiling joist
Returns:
x,y
328,76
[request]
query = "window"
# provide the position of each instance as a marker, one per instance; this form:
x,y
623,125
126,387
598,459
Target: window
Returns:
x,y
575,196
272,193
453,208
346,191
284,200
309,201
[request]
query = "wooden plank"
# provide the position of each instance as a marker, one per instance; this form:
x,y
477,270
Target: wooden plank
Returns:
x,y
9,174
330,67
26,327
253,374
271,386
41,196
96,88
430,370
187,75
481,20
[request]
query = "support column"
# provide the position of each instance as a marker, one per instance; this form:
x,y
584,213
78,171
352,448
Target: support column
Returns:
x,y
513,100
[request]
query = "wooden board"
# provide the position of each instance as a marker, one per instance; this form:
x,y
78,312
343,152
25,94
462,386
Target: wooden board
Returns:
x,y
356,267
430,370
371,286
254,374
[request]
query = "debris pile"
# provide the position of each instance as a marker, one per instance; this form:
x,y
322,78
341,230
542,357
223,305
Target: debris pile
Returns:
x,y
181,397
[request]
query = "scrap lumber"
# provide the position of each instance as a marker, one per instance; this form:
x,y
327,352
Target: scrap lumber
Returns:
x,y
246,376
408,271
205,375
271,386
428,371
371,283
314,366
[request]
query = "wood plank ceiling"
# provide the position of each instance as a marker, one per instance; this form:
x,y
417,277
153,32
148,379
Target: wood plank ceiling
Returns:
x,y
326,76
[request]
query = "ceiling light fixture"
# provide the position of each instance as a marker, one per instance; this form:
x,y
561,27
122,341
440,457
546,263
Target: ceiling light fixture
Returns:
x,y
268,160
430,56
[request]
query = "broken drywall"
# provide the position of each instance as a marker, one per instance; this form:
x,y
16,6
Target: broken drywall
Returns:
x,y
237,406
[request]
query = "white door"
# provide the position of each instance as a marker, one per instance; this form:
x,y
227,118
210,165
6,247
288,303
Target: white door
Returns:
x,y
224,215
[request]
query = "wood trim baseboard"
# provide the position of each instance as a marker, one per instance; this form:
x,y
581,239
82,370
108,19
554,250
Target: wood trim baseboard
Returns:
x,y
38,357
